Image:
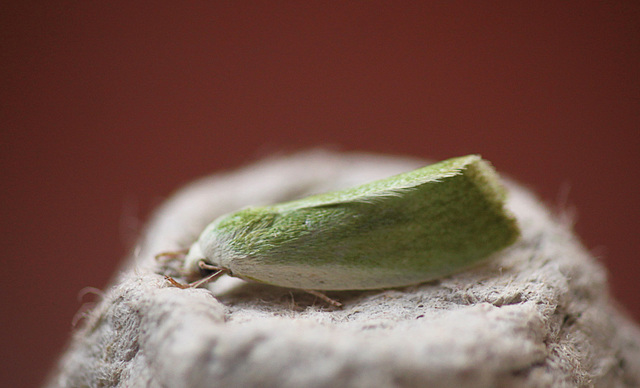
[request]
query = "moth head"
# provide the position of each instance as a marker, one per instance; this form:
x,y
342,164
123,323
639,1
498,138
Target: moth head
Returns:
x,y
191,269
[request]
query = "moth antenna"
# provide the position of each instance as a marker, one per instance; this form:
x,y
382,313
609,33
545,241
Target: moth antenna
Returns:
x,y
165,257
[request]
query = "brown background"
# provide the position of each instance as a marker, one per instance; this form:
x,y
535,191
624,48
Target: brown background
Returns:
x,y
109,106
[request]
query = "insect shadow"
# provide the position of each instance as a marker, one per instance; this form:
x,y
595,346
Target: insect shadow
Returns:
x,y
243,293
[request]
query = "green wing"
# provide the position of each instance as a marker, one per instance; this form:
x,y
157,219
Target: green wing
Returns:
x,y
397,184
402,230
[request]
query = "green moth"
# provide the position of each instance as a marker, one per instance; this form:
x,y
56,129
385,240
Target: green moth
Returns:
x,y
403,230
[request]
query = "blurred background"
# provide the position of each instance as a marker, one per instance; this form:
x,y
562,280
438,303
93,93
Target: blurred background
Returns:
x,y
107,107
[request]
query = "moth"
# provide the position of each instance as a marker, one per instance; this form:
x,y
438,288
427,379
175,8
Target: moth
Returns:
x,y
403,230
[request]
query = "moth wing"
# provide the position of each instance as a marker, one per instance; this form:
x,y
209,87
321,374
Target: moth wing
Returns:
x,y
392,186
398,231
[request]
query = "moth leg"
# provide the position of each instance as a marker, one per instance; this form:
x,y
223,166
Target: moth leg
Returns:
x,y
208,267
322,296
165,257
218,271
176,283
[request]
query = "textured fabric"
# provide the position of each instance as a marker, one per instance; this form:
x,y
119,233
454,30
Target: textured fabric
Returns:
x,y
539,314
